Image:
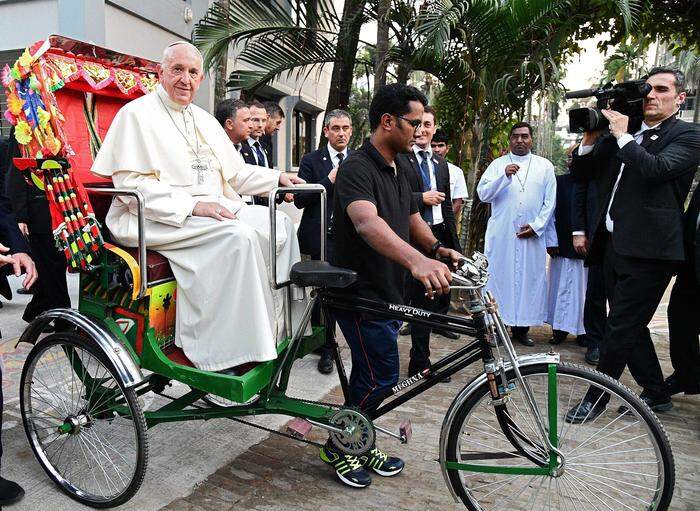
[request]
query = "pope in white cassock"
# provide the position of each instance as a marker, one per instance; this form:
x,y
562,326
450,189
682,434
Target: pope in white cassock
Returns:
x,y
181,160
521,188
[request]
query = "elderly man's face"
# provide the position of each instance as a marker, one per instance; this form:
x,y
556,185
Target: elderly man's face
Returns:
x,y
181,74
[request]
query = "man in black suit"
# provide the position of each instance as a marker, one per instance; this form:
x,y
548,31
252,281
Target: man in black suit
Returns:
x,y
429,178
584,207
683,308
275,117
252,150
14,259
321,166
643,172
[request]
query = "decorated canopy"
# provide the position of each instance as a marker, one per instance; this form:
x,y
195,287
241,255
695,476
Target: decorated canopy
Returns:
x,y
62,95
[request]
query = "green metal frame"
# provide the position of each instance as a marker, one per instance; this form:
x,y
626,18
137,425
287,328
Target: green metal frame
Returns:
x,y
550,468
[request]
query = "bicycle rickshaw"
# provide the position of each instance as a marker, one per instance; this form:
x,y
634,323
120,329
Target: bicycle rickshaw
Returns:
x,y
504,443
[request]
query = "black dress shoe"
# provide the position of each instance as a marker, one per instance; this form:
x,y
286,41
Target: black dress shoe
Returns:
x,y
405,330
656,405
581,340
446,379
583,412
524,340
558,337
676,387
325,363
25,291
593,356
446,333
10,492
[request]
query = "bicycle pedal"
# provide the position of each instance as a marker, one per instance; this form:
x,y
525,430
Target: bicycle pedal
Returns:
x,y
405,431
299,428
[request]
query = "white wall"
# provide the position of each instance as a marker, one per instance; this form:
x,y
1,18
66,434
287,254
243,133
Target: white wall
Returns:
x,y
24,23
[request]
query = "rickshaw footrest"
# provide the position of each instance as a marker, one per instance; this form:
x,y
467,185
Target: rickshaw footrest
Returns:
x,y
299,427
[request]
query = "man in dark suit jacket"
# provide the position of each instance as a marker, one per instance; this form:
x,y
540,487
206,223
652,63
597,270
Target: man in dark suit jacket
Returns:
x,y
253,151
429,178
321,166
275,118
643,173
31,210
584,207
14,259
683,309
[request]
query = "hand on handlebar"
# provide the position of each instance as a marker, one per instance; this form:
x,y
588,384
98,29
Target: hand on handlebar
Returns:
x,y
287,179
434,275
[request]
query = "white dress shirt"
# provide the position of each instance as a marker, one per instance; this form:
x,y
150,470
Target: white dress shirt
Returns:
x,y
334,155
437,210
251,142
621,142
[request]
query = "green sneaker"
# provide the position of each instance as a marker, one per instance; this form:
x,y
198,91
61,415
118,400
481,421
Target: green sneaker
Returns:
x,y
382,463
348,468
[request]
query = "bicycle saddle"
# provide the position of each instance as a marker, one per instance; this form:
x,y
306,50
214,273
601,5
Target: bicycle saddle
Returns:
x,y
321,274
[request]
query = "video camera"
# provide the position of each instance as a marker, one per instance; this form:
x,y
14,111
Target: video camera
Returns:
x,y
626,98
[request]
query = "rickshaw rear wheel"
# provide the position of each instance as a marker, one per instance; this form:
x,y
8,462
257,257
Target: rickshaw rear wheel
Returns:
x,y
86,429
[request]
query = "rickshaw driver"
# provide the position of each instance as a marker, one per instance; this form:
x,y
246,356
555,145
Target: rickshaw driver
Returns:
x,y
181,160
377,226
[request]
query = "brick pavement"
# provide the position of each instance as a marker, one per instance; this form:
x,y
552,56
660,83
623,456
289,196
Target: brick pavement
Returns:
x,y
281,474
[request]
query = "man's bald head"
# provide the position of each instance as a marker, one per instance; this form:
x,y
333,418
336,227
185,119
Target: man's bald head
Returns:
x,y
181,71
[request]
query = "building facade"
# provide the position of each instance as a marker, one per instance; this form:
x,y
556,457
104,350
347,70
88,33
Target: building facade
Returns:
x,y
144,28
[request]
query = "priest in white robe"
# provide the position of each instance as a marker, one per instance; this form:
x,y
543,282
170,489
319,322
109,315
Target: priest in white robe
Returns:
x,y
181,160
566,274
521,188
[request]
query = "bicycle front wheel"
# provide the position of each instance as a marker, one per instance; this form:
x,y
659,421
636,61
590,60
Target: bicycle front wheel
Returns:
x,y
619,460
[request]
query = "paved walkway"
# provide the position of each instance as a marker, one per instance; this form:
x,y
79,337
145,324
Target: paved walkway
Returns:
x,y
220,465
281,474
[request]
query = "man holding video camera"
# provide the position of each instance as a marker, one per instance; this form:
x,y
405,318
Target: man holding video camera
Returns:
x,y
643,169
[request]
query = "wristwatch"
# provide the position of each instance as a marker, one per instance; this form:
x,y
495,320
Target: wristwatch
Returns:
x,y
435,247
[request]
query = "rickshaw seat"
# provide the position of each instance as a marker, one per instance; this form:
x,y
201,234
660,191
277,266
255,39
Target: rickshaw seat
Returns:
x,y
157,266
321,274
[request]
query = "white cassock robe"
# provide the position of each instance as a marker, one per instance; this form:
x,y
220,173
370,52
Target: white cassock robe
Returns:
x,y
517,266
566,288
227,313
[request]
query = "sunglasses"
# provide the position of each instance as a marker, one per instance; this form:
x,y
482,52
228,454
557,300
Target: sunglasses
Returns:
x,y
415,123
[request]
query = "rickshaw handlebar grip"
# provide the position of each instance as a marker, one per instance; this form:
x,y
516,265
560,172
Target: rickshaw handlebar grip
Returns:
x,y
303,188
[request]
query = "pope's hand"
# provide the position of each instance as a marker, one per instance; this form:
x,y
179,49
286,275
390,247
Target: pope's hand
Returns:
x,y
618,122
213,210
287,179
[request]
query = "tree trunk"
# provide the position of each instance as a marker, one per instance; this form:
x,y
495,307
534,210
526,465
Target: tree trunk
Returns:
x,y
382,47
342,75
220,73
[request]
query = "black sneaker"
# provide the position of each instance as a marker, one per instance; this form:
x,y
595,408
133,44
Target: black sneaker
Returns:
x,y
10,492
349,469
382,463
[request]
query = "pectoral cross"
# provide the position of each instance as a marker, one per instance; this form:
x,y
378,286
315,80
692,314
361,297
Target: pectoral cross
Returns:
x,y
200,167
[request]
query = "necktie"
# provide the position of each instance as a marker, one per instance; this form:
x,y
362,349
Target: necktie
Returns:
x,y
340,158
425,172
260,154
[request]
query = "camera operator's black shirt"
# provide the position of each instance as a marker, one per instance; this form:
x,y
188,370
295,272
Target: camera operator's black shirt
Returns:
x,y
365,175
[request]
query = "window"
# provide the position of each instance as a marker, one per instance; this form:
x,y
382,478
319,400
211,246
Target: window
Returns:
x,y
6,57
301,136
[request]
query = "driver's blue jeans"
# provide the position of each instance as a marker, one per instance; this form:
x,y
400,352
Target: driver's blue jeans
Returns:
x,y
375,356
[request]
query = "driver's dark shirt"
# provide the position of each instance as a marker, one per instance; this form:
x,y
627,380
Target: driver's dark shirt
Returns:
x,y
366,175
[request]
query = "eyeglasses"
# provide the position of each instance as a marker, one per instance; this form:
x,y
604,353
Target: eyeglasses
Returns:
x,y
415,123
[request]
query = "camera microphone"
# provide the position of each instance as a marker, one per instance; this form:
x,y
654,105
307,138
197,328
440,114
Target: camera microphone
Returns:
x,y
576,94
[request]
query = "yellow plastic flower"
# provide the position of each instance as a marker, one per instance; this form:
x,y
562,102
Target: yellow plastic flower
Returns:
x,y
23,132
26,59
14,104
44,117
